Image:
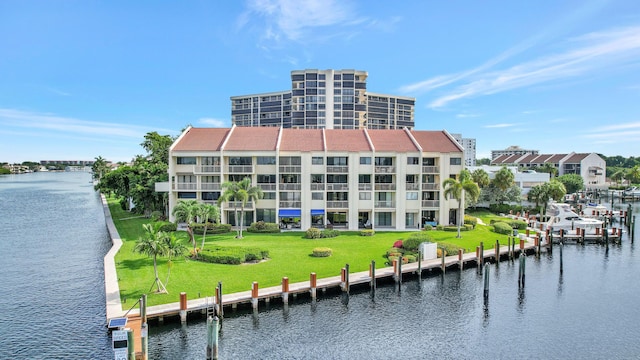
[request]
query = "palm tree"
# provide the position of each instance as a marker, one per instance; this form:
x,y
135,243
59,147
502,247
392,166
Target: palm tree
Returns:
x,y
175,248
187,211
633,175
205,213
153,243
618,176
549,168
240,192
503,180
481,178
456,188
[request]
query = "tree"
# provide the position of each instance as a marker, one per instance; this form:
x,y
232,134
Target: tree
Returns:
x,y
153,243
157,146
483,161
633,175
456,188
503,179
541,194
538,195
240,192
572,182
206,212
548,168
99,168
175,248
556,190
187,211
618,176
481,178
501,185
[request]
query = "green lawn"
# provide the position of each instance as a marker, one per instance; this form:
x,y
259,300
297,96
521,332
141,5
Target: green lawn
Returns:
x,y
289,256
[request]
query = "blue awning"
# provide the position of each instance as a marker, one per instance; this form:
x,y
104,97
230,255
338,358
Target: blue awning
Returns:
x,y
317,212
289,213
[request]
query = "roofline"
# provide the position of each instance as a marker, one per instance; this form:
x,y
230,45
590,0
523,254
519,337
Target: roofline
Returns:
x,y
413,140
458,145
176,141
260,94
367,92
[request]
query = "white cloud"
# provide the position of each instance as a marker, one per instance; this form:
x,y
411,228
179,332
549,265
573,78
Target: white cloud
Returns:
x,y
217,123
466,115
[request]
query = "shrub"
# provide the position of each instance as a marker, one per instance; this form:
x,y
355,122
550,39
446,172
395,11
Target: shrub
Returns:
x,y
367,232
393,251
421,236
412,243
313,233
409,258
263,227
518,224
232,255
168,226
502,228
397,244
467,227
471,221
427,227
504,208
439,227
405,260
157,216
321,252
449,249
211,228
329,233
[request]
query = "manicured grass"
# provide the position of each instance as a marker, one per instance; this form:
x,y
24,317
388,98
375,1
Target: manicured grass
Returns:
x,y
289,252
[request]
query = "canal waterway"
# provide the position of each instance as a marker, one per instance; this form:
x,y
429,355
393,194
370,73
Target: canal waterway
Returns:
x,y
53,305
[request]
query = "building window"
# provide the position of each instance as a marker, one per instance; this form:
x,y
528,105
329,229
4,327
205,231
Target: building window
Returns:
x,y
337,161
382,219
269,195
186,195
211,196
412,195
317,196
365,160
266,215
186,160
266,160
365,195
413,160
317,160
455,161
364,179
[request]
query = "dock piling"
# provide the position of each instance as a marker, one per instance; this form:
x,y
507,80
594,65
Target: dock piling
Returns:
x,y
486,281
254,295
212,338
460,261
372,274
497,252
521,272
442,265
220,309
285,290
313,285
183,307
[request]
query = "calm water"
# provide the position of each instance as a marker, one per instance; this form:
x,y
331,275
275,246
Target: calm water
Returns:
x,y
52,242
52,297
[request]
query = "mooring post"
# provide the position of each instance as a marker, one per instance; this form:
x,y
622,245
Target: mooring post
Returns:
x,y
481,253
285,290
486,281
346,276
372,273
254,295
478,260
633,227
399,275
419,262
212,337
522,270
460,261
536,242
131,349
497,252
442,264
394,263
313,284
220,311
183,307
144,341
561,258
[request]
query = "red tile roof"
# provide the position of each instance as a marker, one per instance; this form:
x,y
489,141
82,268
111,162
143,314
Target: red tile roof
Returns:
x,y
202,139
576,158
499,159
391,140
302,140
346,140
555,158
435,141
252,138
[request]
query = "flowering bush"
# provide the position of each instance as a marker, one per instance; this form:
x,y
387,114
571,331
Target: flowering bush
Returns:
x,y
397,244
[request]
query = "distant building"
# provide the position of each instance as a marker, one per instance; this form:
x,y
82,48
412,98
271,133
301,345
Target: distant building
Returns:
x,y
68,162
469,146
512,150
324,99
525,180
591,166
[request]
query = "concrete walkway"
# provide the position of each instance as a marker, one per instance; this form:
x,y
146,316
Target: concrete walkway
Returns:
x,y
111,288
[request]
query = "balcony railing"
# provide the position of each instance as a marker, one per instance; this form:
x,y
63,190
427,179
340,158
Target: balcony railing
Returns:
x,y
297,187
206,169
238,204
413,186
385,186
290,204
337,204
385,169
337,187
267,187
287,169
247,169
316,186
430,203
364,186
430,186
385,204
210,186
337,169
186,186
430,170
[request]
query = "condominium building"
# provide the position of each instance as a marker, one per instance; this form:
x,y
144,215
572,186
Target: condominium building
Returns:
x,y
350,179
324,99
469,146
512,150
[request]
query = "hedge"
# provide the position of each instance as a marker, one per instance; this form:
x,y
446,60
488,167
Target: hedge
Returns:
x,y
167,226
470,220
367,232
211,228
321,252
502,228
232,255
263,227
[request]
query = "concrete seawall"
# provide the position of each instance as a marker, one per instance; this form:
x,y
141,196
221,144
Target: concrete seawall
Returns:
x,y
111,288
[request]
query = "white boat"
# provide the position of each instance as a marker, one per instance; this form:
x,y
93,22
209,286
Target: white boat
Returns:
x,y
562,217
632,191
592,210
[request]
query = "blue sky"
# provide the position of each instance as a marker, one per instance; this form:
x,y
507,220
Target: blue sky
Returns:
x,y
81,79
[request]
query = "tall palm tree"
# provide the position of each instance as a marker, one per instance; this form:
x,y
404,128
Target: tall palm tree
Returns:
x,y
456,188
153,243
481,178
175,248
240,192
549,168
187,211
207,212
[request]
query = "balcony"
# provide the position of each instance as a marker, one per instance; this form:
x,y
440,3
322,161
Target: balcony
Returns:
x,y
337,187
364,187
385,169
413,186
430,170
288,169
238,204
430,203
267,187
337,169
210,186
385,204
385,187
430,186
240,169
337,204
290,187
316,187
186,186
290,204
206,169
